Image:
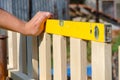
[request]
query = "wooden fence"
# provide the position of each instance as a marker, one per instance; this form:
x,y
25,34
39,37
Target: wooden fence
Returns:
x,y
38,66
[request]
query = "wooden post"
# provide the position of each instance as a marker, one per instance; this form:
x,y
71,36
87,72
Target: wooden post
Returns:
x,y
3,57
59,56
45,57
101,61
78,59
11,51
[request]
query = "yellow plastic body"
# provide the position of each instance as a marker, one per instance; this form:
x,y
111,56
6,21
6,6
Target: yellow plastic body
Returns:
x,y
82,30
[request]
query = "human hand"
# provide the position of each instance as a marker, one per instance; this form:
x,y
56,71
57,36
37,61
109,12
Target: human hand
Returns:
x,y
37,24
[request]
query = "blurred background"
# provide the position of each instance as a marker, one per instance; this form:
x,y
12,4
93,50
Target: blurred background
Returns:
x,y
103,11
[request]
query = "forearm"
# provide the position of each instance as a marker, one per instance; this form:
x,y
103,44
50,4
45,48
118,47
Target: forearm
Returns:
x,y
10,22
34,27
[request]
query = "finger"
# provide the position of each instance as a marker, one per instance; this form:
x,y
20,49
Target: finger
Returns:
x,y
39,15
48,14
43,16
36,16
41,25
40,20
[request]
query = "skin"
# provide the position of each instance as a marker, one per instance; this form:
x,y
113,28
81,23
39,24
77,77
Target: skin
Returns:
x,y
33,28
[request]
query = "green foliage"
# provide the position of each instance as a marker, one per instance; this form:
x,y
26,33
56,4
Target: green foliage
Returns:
x,y
89,51
78,1
115,45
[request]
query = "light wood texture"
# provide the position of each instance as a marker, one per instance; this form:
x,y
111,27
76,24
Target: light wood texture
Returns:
x,y
59,57
19,55
101,61
78,59
12,52
45,57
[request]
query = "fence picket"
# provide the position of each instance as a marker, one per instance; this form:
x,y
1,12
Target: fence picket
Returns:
x,y
78,59
59,57
45,57
101,61
19,54
12,43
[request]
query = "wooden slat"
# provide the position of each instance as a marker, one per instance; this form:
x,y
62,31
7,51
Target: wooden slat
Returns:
x,y
19,55
59,57
101,61
12,50
45,57
20,51
78,59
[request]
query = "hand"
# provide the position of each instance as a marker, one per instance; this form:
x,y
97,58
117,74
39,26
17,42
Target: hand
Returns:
x,y
36,25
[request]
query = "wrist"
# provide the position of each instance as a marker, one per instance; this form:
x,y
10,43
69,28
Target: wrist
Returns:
x,y
23,29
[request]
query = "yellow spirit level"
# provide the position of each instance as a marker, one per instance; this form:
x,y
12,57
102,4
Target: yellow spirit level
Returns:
x,y
83,30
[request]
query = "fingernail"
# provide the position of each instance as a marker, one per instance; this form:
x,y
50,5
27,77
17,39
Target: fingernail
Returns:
x,y
49,15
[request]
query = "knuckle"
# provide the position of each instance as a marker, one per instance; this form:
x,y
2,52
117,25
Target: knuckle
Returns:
x,y
38,13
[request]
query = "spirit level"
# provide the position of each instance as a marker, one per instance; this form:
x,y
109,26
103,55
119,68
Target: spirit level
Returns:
x,y
83,30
